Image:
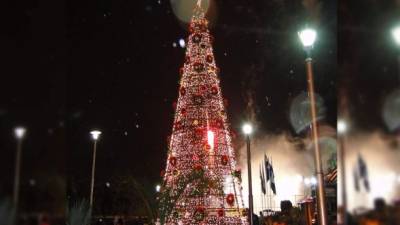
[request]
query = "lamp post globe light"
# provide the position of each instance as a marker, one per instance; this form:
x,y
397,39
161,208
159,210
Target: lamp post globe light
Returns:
x,y
95,136
313,181
19,133
396,37
341,127
247,130
308,37
396,34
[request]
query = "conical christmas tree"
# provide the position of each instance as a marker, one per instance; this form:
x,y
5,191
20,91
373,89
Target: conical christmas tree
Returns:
x,y
201,181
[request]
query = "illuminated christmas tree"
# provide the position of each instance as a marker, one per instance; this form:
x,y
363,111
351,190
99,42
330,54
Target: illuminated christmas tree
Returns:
x,y
201,180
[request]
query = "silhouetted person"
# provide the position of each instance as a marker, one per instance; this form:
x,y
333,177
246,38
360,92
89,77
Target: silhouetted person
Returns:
x,y
256,221
286,207
290,215
380,213
379,205
261,218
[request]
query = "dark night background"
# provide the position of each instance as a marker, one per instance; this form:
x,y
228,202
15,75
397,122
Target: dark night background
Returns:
x,y
68,68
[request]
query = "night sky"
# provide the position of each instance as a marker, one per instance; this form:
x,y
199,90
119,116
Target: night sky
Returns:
x,y
111,65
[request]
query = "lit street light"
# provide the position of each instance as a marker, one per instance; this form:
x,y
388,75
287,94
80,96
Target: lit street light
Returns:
x,y
396,35
396,38
310,182
158,188
308,37
313,181
307,181
342,128
247,130
19,133
95,136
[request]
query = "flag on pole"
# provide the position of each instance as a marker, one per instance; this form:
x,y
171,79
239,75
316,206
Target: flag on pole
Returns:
x,y
262,179
363,172
267,168
272,178
356,180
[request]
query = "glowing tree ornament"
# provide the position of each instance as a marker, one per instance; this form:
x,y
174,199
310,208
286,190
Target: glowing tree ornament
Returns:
x,y
201,182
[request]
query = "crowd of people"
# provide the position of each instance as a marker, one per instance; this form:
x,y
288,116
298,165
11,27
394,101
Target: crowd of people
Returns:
x,y
288,215
381,214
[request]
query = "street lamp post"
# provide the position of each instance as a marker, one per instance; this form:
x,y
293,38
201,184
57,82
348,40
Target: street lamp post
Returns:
x,y
308,37
19,134
247,129
95,136
396,37
342,128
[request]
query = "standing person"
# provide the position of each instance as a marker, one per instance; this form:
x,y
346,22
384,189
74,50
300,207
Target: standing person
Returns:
x,y
256,221
261,218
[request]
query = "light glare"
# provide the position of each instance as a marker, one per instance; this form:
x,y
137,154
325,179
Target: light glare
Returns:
x,y
299,178
158,188
341,127
247,129
182,43
396,35
307,37
210,136
20,132
95,134
313,180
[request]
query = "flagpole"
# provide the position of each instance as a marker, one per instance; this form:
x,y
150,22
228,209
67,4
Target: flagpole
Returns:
x,y
265,199
262,190
269,197
270,180
269,189
262,202
263,194
266,195
265,190
266,185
